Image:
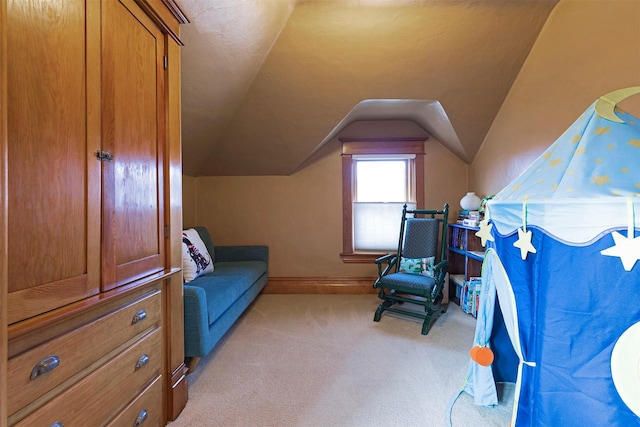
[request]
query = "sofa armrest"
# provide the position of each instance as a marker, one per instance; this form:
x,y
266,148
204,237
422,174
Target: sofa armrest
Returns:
x,y
242,253
196,328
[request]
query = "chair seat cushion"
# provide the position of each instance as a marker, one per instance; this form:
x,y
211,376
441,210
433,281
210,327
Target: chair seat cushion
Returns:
x,y
416,282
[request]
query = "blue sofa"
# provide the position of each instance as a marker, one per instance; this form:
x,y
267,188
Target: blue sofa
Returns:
x,y
214,301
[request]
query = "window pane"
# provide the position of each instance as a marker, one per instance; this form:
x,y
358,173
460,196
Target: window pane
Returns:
x,y
376,226
381,180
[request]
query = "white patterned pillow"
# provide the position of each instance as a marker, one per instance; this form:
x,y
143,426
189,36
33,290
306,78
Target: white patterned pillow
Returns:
x,y
195,257
423,266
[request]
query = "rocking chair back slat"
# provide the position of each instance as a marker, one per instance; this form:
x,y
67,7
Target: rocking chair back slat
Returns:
x,y
421,238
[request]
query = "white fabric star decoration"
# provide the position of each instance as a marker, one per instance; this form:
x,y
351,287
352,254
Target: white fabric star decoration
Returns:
x,y
485,232
627,248
524,243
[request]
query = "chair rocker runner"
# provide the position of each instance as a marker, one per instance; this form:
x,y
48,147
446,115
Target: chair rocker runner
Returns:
x,y
416,273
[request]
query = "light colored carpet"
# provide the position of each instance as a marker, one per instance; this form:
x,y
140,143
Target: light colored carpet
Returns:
x,y
320,360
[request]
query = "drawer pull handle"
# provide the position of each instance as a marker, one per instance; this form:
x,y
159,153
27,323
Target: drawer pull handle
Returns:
x,y
142,360
140,315
57,424
45,365
142,416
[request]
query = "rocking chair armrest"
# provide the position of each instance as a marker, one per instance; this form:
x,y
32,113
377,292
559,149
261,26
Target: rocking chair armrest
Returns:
x,y
384,258
442,265
440,271
391,259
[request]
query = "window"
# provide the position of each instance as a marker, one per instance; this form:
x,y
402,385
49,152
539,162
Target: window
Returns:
x,y
379,178
383,184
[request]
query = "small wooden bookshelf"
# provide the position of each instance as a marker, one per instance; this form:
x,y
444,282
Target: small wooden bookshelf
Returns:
x,y
466,254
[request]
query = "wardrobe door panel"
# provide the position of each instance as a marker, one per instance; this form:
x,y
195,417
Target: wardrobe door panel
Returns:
x,y
53,174
133,131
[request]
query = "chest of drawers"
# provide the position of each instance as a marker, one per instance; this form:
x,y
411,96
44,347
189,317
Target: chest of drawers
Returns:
x,y
118,353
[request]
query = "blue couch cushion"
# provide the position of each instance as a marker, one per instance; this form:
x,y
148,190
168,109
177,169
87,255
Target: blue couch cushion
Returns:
x,y
252,270
227,283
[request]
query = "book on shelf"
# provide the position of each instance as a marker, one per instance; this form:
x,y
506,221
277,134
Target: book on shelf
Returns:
x,y
470,295
470,222
458,238
477,288
469,218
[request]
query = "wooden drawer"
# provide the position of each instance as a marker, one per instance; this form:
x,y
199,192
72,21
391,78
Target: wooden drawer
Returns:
x,y
144,411
106,391
82,349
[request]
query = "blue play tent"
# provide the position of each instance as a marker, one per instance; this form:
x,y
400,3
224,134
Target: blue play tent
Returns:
x,y
562,243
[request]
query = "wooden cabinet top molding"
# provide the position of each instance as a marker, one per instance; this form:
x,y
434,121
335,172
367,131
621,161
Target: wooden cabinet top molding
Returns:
x,y
167,14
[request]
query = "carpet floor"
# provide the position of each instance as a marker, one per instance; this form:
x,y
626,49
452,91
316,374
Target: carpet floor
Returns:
x,y
321,361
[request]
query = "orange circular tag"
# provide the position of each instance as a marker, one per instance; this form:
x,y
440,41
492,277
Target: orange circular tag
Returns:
x,y
481,355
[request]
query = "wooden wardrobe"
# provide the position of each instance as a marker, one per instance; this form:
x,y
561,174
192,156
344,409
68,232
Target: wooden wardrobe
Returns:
x,y
90,222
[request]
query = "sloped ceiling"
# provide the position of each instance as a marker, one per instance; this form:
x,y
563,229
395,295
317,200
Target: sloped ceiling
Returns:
x,y
266,83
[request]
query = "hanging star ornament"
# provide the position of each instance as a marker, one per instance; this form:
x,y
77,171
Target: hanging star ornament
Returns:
x,y
627,248
524,243
485,232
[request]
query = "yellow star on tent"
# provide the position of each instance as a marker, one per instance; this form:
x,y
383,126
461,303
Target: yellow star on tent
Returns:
x,y
601,179
634,142
602,130
627,248
524,243
485,232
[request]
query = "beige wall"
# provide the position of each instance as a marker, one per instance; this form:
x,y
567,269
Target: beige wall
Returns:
x,y
300,216
586,49
188,201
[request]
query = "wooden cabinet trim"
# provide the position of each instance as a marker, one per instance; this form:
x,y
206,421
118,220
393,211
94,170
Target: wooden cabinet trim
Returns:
x,y
31,332
3,213
32,301
167,15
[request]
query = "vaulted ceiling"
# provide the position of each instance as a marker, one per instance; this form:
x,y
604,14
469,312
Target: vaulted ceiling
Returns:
x,y
266,83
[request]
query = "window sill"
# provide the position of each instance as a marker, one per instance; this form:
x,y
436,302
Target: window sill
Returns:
x,y
361,257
